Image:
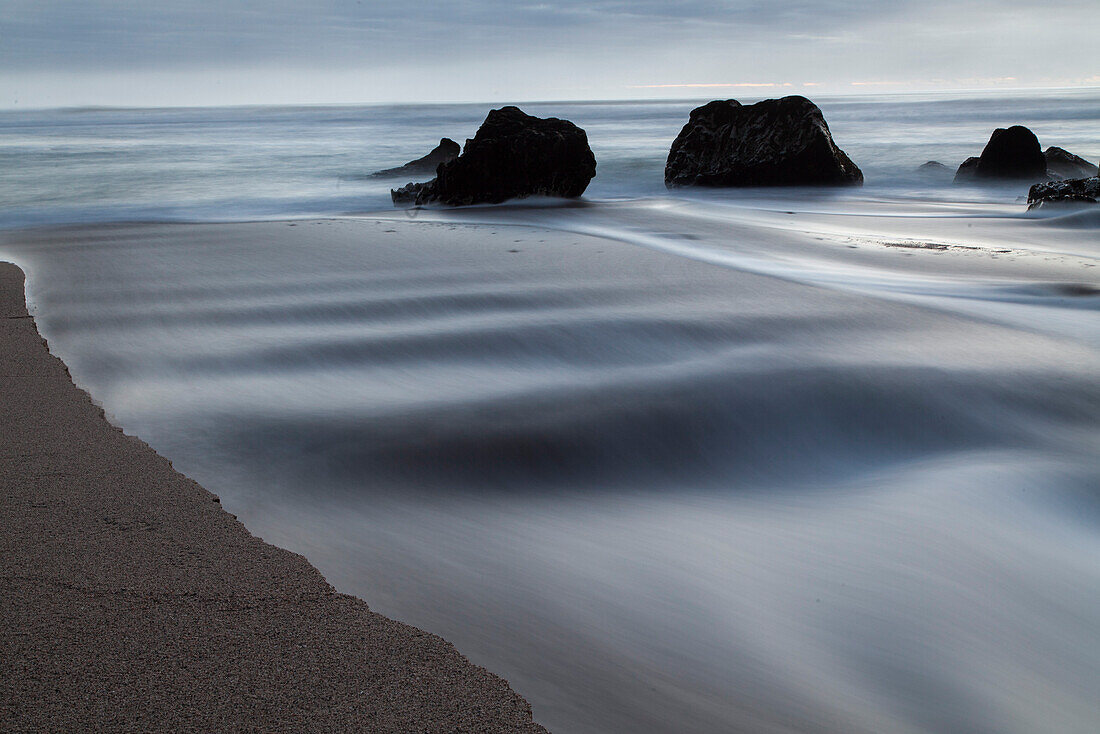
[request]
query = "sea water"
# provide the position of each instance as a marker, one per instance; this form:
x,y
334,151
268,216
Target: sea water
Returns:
x,y
82,165
809,461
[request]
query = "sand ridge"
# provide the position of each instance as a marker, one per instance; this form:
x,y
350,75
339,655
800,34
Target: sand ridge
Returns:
x,y
131,601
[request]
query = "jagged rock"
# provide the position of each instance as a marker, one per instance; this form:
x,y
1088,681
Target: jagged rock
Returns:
x,y
1072,191
967,169
934,169
447,150
410,192
1011,153
513,155
776,142
1063,164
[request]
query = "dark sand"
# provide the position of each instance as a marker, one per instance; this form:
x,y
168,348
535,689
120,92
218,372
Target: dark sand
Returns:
x,y
129,600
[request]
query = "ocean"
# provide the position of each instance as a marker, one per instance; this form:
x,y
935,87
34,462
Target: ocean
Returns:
x,y
227,164
760,460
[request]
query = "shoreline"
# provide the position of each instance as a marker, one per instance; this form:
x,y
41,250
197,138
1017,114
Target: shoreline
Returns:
x,y
133,601
565,441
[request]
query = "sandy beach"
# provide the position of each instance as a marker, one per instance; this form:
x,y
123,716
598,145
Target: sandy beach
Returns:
x,y
133,602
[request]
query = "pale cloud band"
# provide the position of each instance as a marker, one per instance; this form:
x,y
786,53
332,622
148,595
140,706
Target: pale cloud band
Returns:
x,y
119,51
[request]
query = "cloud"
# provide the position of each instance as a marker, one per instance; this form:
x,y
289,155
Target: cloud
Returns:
x,y
170,33
566,48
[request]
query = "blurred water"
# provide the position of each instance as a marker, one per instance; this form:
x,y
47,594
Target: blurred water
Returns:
x,y
85,165
790,461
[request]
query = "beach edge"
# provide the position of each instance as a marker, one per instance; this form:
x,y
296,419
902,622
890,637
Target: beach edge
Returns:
x,y
133,601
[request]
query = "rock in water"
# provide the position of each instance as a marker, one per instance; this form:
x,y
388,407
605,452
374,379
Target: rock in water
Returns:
x,y
447,150
1063,164
1073,191
967,170
513,155
934,169
777,142
1012,153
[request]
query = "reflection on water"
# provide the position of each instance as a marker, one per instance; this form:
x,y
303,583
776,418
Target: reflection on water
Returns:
x,y
716,470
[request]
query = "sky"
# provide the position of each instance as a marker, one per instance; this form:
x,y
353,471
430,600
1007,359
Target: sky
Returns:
x,y
62,53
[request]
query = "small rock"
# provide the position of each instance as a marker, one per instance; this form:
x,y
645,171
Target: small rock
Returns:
x,y
934,169
1063,164
1061,193
966,170
447,150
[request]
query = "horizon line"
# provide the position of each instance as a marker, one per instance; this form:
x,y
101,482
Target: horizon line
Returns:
x,y
860,89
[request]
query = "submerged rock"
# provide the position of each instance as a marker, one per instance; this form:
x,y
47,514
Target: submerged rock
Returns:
x,y
1072,191
447,150
776,142
1063,164
934,169
513,155
1011,153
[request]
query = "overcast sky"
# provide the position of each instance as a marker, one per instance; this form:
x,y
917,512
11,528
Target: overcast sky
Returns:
x,y
157,52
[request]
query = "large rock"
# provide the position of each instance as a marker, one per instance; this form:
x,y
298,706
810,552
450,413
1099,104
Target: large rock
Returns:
x,y
1058,193
447,150
513,155
1011,153
1063,164
777,142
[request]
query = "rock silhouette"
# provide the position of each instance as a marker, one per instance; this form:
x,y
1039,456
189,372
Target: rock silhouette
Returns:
x,y
513,155
1011,154
776,142
934,169
967,170
1063,164
447,150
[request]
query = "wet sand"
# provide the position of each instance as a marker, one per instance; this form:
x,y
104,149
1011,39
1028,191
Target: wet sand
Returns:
x,y
132,601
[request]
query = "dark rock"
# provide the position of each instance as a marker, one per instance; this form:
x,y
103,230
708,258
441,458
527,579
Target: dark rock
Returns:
x,y
513,155
777,142
1063,164
447,150
1072,191
967,170
934,169
1013,154
410,192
